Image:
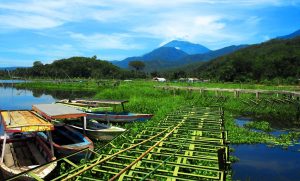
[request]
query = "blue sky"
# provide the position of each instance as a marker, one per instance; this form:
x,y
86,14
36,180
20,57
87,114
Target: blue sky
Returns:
x,y
48,30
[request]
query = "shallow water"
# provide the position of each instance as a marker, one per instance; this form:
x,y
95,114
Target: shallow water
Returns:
x,y
260,162
242,121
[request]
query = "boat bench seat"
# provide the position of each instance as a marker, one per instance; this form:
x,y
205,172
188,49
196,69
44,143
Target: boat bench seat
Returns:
x,y
37,154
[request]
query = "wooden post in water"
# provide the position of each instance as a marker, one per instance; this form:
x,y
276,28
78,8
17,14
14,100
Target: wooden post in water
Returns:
x,y
257,95
236,94
200,91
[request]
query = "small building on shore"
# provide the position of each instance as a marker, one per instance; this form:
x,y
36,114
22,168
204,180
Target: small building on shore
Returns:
x,y
191,79
159,79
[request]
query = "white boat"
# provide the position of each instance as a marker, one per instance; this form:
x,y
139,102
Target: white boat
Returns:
x,y
99,131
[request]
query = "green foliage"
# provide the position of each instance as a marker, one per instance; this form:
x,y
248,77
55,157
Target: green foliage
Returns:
x,y
137,65
259,125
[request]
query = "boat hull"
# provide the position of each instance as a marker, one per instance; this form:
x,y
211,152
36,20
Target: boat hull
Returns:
x,y
119,118
101,134
10,171
65,145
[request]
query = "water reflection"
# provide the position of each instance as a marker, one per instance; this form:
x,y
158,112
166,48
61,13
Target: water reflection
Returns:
x,y
14,98
241,121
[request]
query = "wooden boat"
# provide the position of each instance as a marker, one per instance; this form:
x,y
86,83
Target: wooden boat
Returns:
x,y
65,139
111,116
20,151
97,130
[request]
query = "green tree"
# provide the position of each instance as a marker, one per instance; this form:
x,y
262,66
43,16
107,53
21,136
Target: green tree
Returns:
x,y
137,65
37,68
37,63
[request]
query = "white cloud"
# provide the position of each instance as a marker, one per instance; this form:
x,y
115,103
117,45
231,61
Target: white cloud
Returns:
x,y
48,13
105,41
28,21
199,29
47,53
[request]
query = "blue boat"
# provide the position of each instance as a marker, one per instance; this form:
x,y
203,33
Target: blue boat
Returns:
x,y
66,140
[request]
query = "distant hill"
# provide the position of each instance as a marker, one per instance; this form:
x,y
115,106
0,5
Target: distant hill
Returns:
x,y
211,55
187,47
82,67
274,59
292,35
10,68
157,58
164,54
167,57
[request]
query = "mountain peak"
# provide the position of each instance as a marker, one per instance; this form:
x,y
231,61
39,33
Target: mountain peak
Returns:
x,y
188,47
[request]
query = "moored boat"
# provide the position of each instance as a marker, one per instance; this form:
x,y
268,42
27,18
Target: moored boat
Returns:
x,y
118,117
110,116
22,150
99,131
65,139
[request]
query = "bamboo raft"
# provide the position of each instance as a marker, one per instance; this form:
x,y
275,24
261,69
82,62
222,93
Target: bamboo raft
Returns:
x,y
190,144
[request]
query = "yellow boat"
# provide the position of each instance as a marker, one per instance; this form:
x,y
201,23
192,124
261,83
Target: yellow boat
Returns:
x,y
22,150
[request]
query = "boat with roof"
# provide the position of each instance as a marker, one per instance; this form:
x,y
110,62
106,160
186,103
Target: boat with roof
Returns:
x,y
66,140
113,116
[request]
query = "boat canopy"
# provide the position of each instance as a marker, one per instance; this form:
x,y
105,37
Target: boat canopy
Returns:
x,y
24,121
57,111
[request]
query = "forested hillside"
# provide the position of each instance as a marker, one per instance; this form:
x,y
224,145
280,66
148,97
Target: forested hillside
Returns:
x,y
275,59
82,67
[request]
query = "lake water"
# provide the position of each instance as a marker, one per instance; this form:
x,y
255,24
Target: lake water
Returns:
x,y
260,162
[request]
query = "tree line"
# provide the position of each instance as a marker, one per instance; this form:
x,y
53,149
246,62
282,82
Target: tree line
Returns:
x,y
75,67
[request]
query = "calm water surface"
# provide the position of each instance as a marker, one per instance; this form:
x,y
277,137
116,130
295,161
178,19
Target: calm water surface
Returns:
x,y
260,162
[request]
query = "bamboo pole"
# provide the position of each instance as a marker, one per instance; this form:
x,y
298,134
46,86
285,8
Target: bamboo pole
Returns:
x,y
146,152
109,157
